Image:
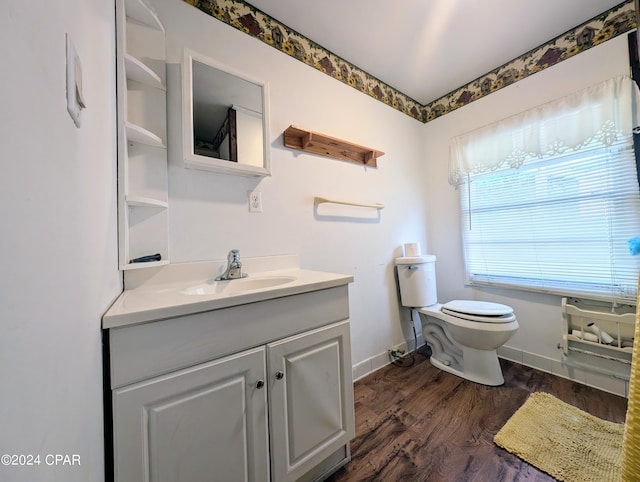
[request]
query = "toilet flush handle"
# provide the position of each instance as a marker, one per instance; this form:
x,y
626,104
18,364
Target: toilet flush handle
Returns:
x,y
412,267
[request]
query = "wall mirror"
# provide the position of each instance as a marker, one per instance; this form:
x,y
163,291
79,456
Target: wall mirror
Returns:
x,y
225,118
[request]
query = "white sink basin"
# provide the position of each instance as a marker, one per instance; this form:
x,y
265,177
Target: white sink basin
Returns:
x,y
213,287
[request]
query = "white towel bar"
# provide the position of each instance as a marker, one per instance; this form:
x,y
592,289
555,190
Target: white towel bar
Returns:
x,y
320,200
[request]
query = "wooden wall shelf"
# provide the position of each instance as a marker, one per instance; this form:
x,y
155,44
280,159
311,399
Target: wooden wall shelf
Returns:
x,y
309,141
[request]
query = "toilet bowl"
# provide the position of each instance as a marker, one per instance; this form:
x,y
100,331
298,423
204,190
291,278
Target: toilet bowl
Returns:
x,y
463,334
477,341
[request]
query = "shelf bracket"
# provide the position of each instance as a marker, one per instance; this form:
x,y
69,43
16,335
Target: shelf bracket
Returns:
x,y
306,140
369,157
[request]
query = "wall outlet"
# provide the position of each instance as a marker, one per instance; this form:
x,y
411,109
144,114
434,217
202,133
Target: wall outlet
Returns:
x,y
255,201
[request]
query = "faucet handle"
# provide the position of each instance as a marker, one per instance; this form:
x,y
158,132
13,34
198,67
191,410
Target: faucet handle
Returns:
x,y
234,255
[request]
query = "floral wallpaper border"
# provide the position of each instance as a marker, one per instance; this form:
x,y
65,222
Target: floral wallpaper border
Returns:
x,y
254,22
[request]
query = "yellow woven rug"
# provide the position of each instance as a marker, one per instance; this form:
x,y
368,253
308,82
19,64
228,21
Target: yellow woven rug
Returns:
x,y
563,441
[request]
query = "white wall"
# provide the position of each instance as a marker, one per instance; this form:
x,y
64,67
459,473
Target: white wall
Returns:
x,y
209,211
58,247
539,315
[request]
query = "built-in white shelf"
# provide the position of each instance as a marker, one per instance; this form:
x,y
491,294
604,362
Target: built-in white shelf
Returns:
x,y
143,207
146,202
141,12
138,71
136,133
150,264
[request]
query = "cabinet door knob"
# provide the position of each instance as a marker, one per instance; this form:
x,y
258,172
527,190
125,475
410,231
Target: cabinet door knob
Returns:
x,y
259,384
279,375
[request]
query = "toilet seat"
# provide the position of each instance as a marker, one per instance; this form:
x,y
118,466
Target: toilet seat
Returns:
x,y
479,311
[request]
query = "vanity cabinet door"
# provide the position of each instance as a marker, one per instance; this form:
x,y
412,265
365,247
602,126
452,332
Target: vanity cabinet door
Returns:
x,y
311,399
203,423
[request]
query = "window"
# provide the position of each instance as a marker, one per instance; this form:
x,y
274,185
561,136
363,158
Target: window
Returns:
x,y
557,219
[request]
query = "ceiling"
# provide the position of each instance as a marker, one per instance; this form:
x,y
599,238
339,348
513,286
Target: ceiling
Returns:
x,y
427,48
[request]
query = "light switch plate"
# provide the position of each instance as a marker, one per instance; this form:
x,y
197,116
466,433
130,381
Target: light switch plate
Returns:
x,y
75,101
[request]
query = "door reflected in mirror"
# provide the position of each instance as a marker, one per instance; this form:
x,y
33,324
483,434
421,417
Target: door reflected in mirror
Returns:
x,y
225,118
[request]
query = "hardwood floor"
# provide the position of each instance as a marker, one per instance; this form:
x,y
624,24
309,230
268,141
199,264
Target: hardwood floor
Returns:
x,y
422,424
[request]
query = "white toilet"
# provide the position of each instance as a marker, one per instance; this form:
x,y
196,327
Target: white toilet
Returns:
x,y
463,335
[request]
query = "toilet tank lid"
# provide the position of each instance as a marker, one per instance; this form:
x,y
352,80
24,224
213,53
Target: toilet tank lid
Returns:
x,y
425,258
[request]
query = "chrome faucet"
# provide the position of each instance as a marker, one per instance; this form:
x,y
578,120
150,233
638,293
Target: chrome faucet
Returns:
x,y
234,267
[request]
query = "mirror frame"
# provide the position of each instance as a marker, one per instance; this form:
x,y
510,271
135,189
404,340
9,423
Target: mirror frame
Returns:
x,y
196,161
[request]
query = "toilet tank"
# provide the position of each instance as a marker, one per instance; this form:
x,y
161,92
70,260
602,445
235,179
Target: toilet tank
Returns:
x,y
417,279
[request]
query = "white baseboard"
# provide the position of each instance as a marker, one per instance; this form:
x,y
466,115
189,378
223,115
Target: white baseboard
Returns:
x,y
374,363
601,381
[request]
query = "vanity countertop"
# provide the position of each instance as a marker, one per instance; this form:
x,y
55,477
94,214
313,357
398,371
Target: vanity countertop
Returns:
x,y
184,289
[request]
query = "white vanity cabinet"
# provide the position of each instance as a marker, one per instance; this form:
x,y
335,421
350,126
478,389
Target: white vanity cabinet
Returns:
x,y
256,392
310,399
206,422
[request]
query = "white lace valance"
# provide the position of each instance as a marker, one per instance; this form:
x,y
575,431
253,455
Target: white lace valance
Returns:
x,y
601,113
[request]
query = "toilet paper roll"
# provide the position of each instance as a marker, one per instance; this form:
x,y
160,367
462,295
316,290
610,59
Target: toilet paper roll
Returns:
x,y
411,249
585,335
604,336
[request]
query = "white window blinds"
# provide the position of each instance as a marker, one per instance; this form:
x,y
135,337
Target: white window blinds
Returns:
x,y
558,222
